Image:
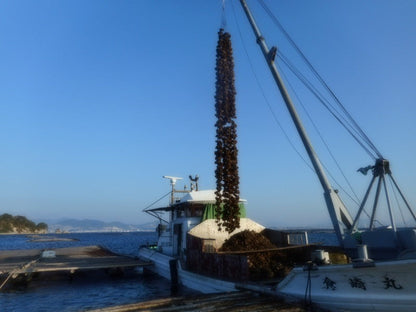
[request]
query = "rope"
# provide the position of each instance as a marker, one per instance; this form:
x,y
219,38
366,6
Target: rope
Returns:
x,y
318,94
23,267
397,202
355,200
321,80
223,17
8,277
269,106
156,201
276,120
308,290
324,102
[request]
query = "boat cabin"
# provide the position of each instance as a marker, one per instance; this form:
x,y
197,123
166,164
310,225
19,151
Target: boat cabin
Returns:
x,y
195,208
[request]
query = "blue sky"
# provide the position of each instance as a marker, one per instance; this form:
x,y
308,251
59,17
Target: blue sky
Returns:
x,y
100,99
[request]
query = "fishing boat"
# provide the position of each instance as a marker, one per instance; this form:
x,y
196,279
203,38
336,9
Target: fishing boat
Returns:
x,y
382,272
185,220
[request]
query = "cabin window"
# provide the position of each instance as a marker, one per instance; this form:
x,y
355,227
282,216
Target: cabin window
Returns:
x,y
297,238
195,210
180,211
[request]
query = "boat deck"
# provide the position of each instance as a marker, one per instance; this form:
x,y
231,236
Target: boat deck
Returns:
x,y
243,301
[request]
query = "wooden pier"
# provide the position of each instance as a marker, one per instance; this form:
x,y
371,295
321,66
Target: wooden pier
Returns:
x,y
242,301
18,263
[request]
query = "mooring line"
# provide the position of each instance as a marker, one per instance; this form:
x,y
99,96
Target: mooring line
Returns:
x,y
23,267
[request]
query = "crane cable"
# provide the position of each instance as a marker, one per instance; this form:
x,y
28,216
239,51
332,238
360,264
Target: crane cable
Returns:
x,y
355,200
324,102
263,93
321,80
147,207
223,17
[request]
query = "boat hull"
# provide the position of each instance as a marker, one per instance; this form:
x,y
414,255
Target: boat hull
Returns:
x,y
387,286
186,278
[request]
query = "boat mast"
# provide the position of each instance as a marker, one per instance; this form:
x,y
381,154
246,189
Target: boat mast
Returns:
x,y
173,183
340,216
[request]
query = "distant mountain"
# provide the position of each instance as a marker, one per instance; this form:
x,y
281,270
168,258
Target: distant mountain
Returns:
x,y
88,225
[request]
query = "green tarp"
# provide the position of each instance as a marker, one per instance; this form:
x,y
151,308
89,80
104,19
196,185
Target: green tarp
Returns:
x,y
209,211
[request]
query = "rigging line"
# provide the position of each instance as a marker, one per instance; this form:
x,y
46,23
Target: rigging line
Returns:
x,y
275,117
327,104
315,72
157,200
315,92
223,17
402,196
317,95
319,77
397,201
350,129
341,119
264,94
356,199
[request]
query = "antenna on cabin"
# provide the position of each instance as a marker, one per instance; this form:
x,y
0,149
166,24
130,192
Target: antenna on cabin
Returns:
x,y
172,179
172,183
194,180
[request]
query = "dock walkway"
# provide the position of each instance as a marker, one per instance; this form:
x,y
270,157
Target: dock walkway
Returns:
x,y
14,263
243,301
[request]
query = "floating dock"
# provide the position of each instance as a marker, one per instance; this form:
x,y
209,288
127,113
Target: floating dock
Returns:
x,y
243,301
21,263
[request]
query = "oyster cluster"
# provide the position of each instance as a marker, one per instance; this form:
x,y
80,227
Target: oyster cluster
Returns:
x,y
226,152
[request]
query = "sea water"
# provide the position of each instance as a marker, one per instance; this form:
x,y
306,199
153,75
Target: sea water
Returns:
x,y
84,292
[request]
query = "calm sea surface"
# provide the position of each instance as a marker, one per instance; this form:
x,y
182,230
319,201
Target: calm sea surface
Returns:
x,y
83,293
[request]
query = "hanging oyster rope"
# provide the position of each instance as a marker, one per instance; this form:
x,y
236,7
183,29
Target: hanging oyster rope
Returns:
x,y
226,173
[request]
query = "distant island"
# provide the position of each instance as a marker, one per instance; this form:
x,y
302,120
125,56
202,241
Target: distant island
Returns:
x,y
20,225
88,225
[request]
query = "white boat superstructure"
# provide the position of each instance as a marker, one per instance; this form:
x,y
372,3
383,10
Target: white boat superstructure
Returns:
x,y
190,216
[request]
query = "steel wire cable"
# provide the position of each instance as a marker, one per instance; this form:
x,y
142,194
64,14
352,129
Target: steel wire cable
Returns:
x,y
157,201
320,79
356,199
317,94
263,93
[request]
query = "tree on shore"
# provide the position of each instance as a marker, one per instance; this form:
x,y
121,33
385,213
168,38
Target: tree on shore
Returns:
x,y
20,224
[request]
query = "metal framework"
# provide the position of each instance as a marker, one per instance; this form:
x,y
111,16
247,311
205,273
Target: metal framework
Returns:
x,y
341,219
